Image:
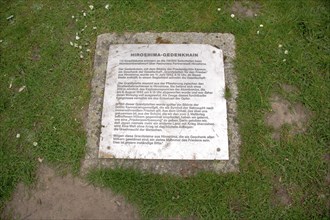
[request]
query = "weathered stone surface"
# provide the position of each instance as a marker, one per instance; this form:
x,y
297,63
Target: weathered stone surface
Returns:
x,y
226,42
164,101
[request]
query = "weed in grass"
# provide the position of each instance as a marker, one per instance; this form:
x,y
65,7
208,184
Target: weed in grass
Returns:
x,y
227,93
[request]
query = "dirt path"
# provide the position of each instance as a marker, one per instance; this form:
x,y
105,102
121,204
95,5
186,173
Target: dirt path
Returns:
x,y
55,197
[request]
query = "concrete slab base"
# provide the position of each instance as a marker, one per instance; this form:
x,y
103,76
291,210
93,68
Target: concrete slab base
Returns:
x,y
226,42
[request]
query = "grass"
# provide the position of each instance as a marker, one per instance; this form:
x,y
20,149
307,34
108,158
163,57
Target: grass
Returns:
x,y
35,52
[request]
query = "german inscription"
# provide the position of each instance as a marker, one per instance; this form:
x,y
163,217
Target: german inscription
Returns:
x,y
164,102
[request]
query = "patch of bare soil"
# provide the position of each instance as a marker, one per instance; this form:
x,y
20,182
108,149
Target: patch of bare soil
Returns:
x,y
326,158
35,54
55,197
245,9
281,195
283,112
289,88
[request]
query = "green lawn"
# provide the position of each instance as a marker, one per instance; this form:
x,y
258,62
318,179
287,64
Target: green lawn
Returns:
x,y
35,52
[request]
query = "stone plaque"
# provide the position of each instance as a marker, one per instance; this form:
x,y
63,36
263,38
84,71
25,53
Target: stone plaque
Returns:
x,y
164,102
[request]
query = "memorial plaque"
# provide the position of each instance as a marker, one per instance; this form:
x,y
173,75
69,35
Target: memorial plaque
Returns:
x,y
164,102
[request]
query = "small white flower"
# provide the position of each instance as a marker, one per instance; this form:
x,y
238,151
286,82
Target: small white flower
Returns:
x,y
232,15
107,6
1,41
75,45
280,46
219,9
10,17
258,32
81,56
77,20
255,15
84,14
284,60
21,89
40,159
11,84
71,43
35,144
91,7
286,52
88,50
80,47
85,26
72,16
77,37
94,28
18,135
261,25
